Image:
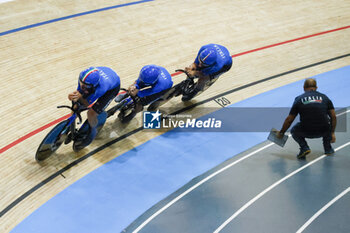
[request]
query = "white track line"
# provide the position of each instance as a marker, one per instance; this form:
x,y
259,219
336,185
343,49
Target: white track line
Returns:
x,y
343,113
196,185
271,187
301,229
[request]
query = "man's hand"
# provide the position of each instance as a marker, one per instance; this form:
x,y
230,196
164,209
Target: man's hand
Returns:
x,y
279,135
74,96
193,71
133,90
333,138
193,66
333,123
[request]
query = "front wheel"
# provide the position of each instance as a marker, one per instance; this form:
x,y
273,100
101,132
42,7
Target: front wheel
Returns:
x,y
52,141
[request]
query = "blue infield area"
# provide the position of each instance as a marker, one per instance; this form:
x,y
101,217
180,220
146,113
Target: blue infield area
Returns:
x,y
114,195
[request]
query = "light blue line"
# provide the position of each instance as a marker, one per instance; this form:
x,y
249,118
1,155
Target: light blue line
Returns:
x,y
71,16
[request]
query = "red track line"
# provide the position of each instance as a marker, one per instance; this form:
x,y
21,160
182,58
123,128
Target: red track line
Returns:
x,y
21,139
290,41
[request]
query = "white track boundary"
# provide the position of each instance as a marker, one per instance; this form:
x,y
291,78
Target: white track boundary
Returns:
x,y
318,213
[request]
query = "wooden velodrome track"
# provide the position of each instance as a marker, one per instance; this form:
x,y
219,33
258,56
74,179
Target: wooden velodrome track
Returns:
x,y
40,66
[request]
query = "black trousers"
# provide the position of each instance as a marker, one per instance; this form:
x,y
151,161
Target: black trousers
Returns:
x,y
299,134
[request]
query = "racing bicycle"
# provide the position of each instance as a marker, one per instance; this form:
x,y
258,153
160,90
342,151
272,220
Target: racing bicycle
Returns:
x,y
66,131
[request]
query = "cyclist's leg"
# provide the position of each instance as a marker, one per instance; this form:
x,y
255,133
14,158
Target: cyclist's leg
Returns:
x,y
98,111
101,104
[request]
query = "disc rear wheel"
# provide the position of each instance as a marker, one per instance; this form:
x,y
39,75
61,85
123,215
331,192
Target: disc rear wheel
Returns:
x,y
52,141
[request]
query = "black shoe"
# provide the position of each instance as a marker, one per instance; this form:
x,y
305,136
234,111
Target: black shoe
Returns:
x,y
303,152
186,98
329,150
79,145
189,96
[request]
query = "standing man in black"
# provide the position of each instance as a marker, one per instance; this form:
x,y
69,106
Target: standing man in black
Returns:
x,y
317,119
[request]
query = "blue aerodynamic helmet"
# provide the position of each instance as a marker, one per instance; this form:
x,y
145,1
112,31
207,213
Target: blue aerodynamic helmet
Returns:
x,y
207,57
149,75
90,77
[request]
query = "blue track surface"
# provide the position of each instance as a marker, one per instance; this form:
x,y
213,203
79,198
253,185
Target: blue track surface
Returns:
x,y
111,197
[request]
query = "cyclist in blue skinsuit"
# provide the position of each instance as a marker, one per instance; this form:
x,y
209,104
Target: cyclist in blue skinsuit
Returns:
x,y
98,85
212,60
153,82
